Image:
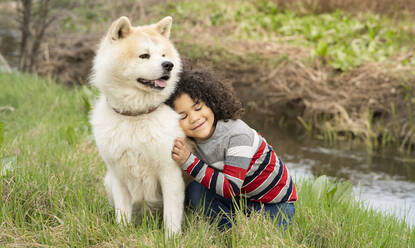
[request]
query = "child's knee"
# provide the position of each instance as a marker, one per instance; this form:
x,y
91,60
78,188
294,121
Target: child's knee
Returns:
x,y
194,194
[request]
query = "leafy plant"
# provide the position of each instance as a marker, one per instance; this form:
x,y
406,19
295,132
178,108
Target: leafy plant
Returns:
x,y
320,186
334,192
345,40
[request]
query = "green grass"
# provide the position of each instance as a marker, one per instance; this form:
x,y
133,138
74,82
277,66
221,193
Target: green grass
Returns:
x,y
52,190
346,41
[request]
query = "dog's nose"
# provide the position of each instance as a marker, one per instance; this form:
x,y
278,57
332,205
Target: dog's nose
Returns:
x,y
167,65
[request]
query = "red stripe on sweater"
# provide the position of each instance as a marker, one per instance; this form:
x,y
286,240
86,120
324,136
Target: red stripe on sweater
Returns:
x,y
234,171
262,176
190,168
293,196
208,176
258,154
227,189
270,195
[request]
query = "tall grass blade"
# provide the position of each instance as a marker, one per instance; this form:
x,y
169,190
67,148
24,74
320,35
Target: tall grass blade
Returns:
x,y
1,134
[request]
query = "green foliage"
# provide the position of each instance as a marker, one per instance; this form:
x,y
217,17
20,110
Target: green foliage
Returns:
x,y
346,41
88,95
321,49
85,18
308,125
320,186
70,135
333,192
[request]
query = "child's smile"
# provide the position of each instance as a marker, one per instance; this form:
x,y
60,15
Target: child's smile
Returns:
x,y
196,119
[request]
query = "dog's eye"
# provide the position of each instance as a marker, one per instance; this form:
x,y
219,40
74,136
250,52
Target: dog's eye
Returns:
x,y
164,55
144,56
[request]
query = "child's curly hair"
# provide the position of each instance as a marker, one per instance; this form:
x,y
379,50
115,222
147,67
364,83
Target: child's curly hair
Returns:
x,y
201,86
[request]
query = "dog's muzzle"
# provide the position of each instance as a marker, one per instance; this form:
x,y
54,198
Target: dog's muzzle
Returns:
x,y
158,84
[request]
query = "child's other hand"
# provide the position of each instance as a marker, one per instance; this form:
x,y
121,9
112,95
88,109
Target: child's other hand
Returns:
x,y
180,151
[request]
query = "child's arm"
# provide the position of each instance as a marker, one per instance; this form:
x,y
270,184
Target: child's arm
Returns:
x,y
226,183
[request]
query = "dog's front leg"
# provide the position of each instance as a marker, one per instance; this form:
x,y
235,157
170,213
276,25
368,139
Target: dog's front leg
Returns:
x,y
121,198
173,199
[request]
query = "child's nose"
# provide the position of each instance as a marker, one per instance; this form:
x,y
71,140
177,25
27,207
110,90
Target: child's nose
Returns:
x,y
194,117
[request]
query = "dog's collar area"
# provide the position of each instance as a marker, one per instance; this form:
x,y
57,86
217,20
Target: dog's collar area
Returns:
x,y
131,113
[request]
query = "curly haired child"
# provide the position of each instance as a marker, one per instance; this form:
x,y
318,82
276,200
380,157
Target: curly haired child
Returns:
x,y
233,163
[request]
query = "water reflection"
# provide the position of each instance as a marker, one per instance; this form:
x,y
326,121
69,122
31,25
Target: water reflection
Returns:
x,y
384,181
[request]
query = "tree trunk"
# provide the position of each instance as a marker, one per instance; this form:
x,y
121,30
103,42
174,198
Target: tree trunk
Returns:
x,y
25,23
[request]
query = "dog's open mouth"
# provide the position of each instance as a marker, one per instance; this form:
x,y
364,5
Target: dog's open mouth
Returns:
x,y
159,84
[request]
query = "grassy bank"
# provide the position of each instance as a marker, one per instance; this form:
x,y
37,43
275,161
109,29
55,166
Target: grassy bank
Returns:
x,y
340,70
52,193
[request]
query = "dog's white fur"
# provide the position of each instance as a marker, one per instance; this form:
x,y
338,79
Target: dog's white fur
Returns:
x,y
137,149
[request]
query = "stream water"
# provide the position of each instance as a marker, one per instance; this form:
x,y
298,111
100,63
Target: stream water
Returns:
x,y
385,182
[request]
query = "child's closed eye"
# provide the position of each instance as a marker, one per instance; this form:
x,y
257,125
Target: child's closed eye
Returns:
x,y
198,107
183,116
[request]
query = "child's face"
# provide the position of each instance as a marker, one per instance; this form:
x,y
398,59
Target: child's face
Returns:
x,y
196,118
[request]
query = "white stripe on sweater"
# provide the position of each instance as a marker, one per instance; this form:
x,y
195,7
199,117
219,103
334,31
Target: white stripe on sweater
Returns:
x,y
240,151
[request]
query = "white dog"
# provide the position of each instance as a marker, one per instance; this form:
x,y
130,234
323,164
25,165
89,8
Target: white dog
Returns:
x,y
135,70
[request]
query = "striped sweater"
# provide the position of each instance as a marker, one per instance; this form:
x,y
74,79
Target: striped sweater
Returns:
x,y
238,160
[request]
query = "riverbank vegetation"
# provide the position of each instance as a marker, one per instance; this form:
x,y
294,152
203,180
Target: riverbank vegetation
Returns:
x,y
339,75
52,191
336,70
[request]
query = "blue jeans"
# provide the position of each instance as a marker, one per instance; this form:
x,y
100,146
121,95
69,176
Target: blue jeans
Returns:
x,y
216,206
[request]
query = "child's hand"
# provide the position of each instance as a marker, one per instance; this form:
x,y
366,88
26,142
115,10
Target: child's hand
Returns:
x,y
180,151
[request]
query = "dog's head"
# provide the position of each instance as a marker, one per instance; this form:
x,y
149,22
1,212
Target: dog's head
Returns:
x,y
138,59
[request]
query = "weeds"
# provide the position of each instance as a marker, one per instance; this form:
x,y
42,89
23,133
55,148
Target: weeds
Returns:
x,y
308,125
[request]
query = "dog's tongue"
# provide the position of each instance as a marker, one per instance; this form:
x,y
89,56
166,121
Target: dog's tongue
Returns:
x,y
160,83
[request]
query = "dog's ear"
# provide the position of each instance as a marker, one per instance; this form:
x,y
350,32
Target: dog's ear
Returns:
x,y
120,28
164,26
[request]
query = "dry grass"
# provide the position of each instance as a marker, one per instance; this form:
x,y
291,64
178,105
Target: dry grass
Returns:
x,y
358,102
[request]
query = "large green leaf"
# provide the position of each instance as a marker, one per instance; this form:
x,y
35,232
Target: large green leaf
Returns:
x,y
344,191
320,186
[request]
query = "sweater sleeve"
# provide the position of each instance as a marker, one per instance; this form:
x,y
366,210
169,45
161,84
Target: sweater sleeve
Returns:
x,y
227,183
